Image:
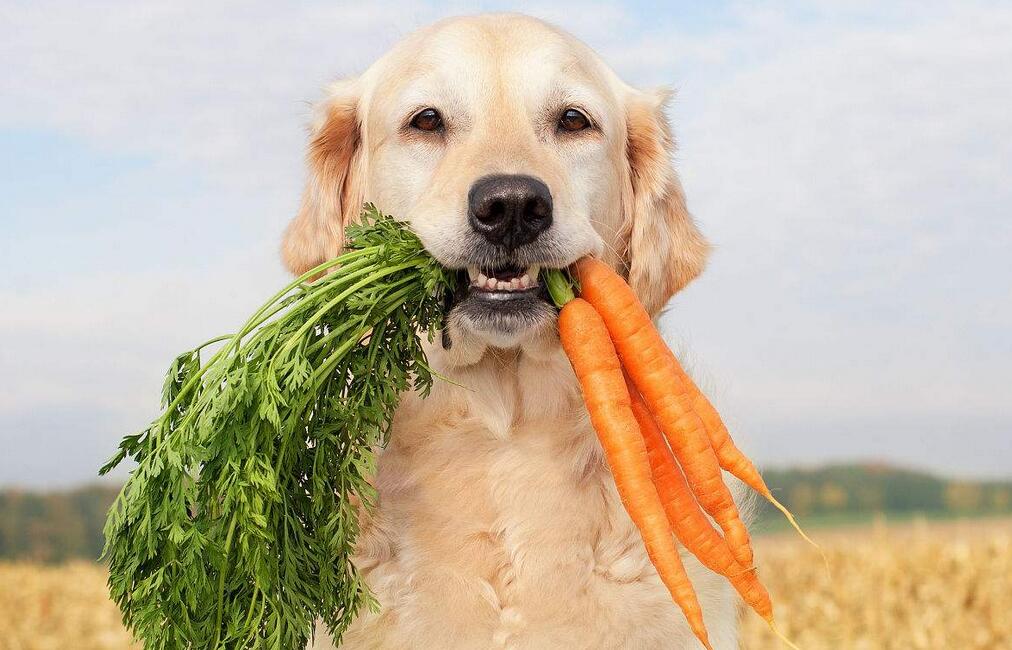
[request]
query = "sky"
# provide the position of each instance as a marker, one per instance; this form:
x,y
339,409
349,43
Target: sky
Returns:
x,y
849,161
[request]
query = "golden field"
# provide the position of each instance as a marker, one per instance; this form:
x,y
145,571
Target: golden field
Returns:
x,y
933,586
916,586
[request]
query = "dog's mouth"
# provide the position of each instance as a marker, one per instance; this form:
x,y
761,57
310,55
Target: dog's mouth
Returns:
x,y
506,299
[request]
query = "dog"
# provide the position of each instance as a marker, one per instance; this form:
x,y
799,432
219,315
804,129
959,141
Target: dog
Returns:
x,y
508,146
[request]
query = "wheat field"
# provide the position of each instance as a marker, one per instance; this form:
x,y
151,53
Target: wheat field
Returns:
x,y
931,586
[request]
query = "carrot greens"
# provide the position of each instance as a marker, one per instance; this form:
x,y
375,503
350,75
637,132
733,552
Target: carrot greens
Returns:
x,y
236,528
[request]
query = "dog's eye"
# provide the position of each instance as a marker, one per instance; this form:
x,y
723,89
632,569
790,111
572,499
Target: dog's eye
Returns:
x,y
573,120
427,120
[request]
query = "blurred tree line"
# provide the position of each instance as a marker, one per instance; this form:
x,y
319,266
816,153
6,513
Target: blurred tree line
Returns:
x,y
870,488
55,526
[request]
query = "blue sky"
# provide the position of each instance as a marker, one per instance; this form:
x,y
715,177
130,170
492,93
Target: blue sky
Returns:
x,y
850,163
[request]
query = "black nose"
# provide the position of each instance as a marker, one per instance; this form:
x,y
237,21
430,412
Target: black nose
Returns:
x,y
509,210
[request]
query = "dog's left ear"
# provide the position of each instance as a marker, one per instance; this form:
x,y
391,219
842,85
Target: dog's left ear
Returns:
x,y
664,249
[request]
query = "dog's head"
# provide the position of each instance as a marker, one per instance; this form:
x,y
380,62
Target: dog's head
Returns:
x,y
508,146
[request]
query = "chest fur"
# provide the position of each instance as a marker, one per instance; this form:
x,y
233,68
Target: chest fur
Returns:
x,y
499,526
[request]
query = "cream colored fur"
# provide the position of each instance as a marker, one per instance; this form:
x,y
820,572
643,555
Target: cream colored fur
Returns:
x,y
498,524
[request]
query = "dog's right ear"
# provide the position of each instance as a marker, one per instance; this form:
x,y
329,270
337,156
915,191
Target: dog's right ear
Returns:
x,y
333,194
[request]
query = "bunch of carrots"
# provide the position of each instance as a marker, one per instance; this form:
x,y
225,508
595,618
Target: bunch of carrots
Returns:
x,y
648,413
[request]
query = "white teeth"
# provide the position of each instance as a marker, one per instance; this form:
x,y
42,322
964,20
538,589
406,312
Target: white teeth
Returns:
x,y
517,283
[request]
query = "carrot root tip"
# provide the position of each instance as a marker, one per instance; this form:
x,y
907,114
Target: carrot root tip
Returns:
x,y
794,522
780,635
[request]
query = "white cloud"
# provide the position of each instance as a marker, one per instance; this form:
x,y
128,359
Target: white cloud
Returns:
x,y
219,85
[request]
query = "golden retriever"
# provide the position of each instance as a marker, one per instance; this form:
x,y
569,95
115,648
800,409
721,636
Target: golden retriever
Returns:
x,y
508,146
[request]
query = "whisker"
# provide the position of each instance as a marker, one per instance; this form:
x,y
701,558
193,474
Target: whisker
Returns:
x,y
608,245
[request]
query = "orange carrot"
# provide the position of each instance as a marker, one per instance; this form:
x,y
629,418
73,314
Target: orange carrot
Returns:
x,y
651,365
636,338
733,460
691,526
585,340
